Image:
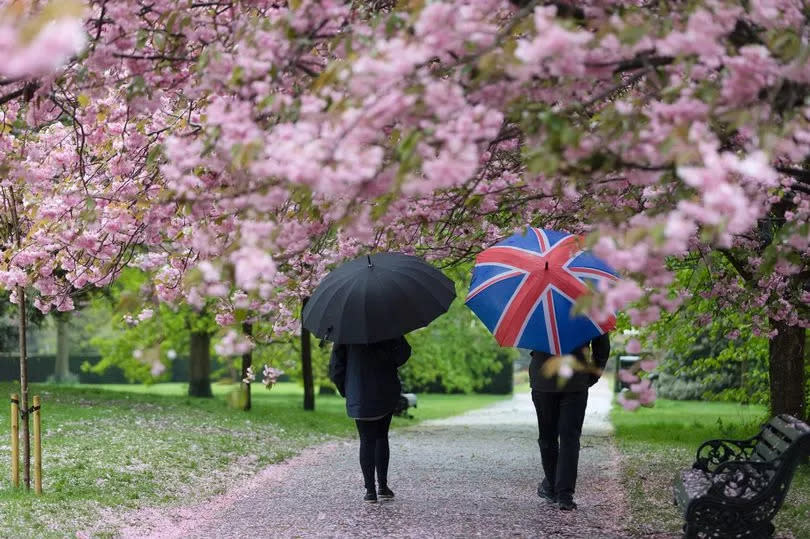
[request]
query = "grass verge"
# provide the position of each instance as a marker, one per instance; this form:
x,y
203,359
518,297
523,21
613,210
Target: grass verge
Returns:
x,y
658,442
108,449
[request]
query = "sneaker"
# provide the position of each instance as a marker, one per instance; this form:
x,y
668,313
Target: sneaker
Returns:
x,y
567,505
385,493
546,493
370,497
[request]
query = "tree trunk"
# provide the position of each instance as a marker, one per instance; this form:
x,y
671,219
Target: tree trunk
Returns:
x,y
23,331
787,376
306,368
247,360
62,367
199,384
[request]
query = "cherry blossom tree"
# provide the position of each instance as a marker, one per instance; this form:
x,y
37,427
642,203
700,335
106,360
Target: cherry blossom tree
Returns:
x,y
237,150
438,127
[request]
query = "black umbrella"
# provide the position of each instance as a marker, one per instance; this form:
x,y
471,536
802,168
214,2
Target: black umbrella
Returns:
x,y
377,297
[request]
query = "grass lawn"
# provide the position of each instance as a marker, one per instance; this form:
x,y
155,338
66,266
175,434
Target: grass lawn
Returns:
x,y
111,448
657,442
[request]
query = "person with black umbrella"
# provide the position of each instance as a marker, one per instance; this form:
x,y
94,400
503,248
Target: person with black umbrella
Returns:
x,y
364,307
366,375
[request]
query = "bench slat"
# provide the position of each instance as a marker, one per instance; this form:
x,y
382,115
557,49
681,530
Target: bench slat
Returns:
x,y
788,430
765,452
775,440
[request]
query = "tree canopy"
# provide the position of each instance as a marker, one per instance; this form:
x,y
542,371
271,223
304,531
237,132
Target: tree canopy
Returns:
x,y
236,150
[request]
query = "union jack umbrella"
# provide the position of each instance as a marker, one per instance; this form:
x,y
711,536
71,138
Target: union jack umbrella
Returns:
x,y
524,288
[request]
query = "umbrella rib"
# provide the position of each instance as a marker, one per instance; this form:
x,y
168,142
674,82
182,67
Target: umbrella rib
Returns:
x,y
447,284
424,319
351,292
335,288
407,298
438,278
346,291
380,285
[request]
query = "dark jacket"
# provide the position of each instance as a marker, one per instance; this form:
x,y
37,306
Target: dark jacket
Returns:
x,y
580,381
366,374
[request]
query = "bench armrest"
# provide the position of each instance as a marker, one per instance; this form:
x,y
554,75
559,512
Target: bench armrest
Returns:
x,y
742,479
713,453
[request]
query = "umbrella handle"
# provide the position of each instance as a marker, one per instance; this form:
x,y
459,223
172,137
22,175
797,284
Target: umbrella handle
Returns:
x,y
369,261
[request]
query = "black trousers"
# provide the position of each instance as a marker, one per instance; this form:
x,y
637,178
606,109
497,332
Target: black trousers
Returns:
x,y
374,451
559,420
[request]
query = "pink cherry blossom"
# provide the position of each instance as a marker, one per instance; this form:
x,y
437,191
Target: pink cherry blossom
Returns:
x,y
633,346
648,365
628,377
629,404
234,344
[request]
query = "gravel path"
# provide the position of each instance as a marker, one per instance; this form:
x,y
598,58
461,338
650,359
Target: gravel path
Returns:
x,y
472,475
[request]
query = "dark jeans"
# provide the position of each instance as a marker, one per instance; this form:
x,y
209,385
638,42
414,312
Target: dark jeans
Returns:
x,y
559,419
374,450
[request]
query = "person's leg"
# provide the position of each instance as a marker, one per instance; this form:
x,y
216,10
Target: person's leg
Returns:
x,y
382,452
381,457
547,406
366,430
572,415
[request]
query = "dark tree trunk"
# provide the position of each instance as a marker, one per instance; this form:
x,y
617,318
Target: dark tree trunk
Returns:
x,y
247,360
22,321
199,384
306,368
787,375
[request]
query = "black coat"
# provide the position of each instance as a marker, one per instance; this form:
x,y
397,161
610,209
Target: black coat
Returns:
x,y
580,381
366,374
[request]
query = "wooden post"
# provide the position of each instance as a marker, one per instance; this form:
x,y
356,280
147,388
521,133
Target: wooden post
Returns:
x,y
15,440
37,447
306,366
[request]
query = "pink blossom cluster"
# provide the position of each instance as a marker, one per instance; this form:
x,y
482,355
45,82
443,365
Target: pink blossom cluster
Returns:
x,y
54,41
234,344
641,392
270,376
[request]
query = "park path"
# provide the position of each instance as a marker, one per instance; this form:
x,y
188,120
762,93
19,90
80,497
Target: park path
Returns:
x,y
472,475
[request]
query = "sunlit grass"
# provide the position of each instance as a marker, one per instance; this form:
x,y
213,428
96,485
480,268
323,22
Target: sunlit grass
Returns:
x,y
112,448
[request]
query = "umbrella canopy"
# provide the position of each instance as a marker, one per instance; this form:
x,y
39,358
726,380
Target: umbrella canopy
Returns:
x,y
524,288
377,297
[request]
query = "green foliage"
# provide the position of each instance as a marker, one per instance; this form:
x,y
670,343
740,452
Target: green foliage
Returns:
x,y
135,349
709,350
714,386
456,353
9,320
286,355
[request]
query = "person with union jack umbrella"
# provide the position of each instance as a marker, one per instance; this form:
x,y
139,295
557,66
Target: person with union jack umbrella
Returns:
x,y
524,289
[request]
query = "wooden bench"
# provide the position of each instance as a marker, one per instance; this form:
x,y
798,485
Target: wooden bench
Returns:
x,y
735,487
